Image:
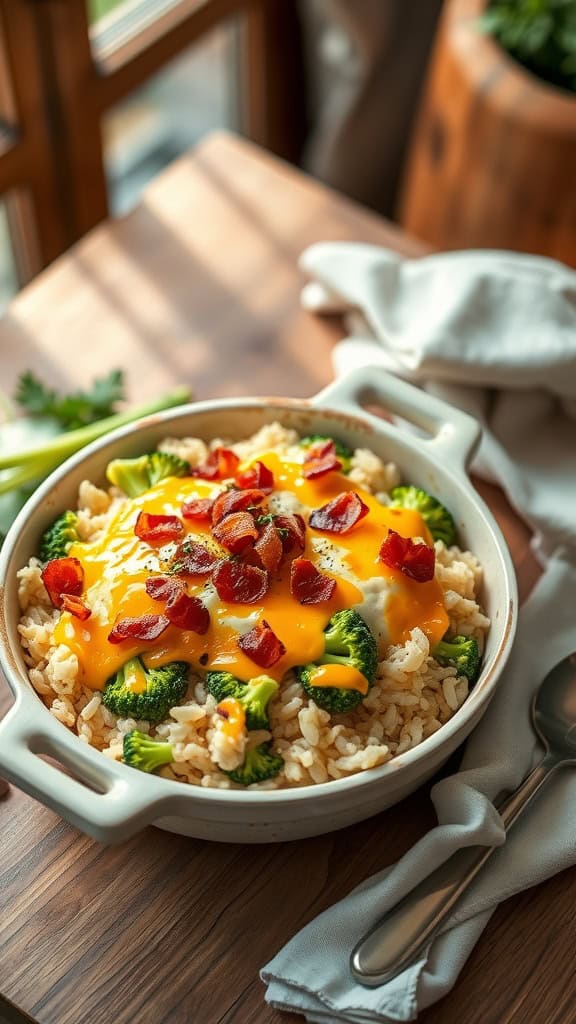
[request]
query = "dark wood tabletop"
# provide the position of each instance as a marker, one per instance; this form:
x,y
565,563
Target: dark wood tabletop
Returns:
x,y
199,285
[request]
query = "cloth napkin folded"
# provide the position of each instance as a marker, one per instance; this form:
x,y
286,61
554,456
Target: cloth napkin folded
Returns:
x,y
491,332
494,333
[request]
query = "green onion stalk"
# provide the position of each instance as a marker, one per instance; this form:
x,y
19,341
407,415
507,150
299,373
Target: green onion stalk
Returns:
x,y
31,463
21,471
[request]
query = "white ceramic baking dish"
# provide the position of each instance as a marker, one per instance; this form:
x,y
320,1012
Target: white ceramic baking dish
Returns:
x,y
111,801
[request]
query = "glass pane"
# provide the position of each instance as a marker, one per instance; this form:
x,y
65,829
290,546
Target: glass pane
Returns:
x,y
99,8
8,278
194,94
129,14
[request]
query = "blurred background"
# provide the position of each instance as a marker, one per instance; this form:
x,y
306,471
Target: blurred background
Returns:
x,y
457,119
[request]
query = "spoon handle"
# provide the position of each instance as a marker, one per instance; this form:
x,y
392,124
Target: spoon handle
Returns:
x,y
407,929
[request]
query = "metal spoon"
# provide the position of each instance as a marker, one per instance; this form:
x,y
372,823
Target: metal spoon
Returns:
x,y
404,932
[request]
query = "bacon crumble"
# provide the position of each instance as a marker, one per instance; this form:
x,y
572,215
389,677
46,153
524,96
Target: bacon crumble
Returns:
x,y
163,588
76,606
236,532
239,583
320,460
193,559
269,548
143,627
414,559
308,585
262,645
236,501
157,529
316,468
292,531
63,576
188,613
198,509
221,464
258,475
340,514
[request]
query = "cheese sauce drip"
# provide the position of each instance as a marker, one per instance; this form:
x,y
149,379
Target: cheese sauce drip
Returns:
x,y
117,565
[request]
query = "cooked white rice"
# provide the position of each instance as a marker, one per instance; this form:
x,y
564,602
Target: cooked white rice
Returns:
x,y
413,695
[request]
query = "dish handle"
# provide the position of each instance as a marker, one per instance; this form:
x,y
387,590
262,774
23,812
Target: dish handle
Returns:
x,y
101,798
453,434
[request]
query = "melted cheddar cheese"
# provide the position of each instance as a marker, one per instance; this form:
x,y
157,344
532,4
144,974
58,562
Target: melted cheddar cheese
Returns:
x,y
233,717
117,565
340,677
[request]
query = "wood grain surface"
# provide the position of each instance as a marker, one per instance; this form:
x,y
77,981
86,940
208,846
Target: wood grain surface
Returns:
x,y
200,285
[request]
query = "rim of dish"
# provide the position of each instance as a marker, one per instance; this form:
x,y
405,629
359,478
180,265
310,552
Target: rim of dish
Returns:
x,y
478,698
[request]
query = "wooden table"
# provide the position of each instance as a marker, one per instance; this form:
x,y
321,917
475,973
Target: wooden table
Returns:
x,y
200,285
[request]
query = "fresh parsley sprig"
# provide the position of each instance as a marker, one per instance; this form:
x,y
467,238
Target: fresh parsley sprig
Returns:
x,y
77,409
56,426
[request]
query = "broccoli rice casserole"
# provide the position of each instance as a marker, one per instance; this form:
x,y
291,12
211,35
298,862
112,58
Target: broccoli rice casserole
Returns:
x,y
274,612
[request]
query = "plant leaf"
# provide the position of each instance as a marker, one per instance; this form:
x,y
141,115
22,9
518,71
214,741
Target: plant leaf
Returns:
x,y
74,410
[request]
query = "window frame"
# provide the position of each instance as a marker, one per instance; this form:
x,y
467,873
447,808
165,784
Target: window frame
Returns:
x,y
28,177
52,172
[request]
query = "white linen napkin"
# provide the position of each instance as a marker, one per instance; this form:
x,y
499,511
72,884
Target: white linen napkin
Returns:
x,y
507,323
491,332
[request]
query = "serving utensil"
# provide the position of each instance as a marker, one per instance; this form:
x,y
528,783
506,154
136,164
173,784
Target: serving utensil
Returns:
x,y
404,932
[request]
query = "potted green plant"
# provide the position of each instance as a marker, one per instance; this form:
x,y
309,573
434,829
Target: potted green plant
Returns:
x,y
493,154
539,34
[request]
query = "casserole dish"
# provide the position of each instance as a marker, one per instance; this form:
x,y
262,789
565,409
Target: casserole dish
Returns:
x,y
111,801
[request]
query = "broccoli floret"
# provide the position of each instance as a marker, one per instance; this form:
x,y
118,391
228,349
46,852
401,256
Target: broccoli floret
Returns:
x,y
348,641
145,693
437,518
342,451
134,476
144,753
259,764
59,537
461,651
253,696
